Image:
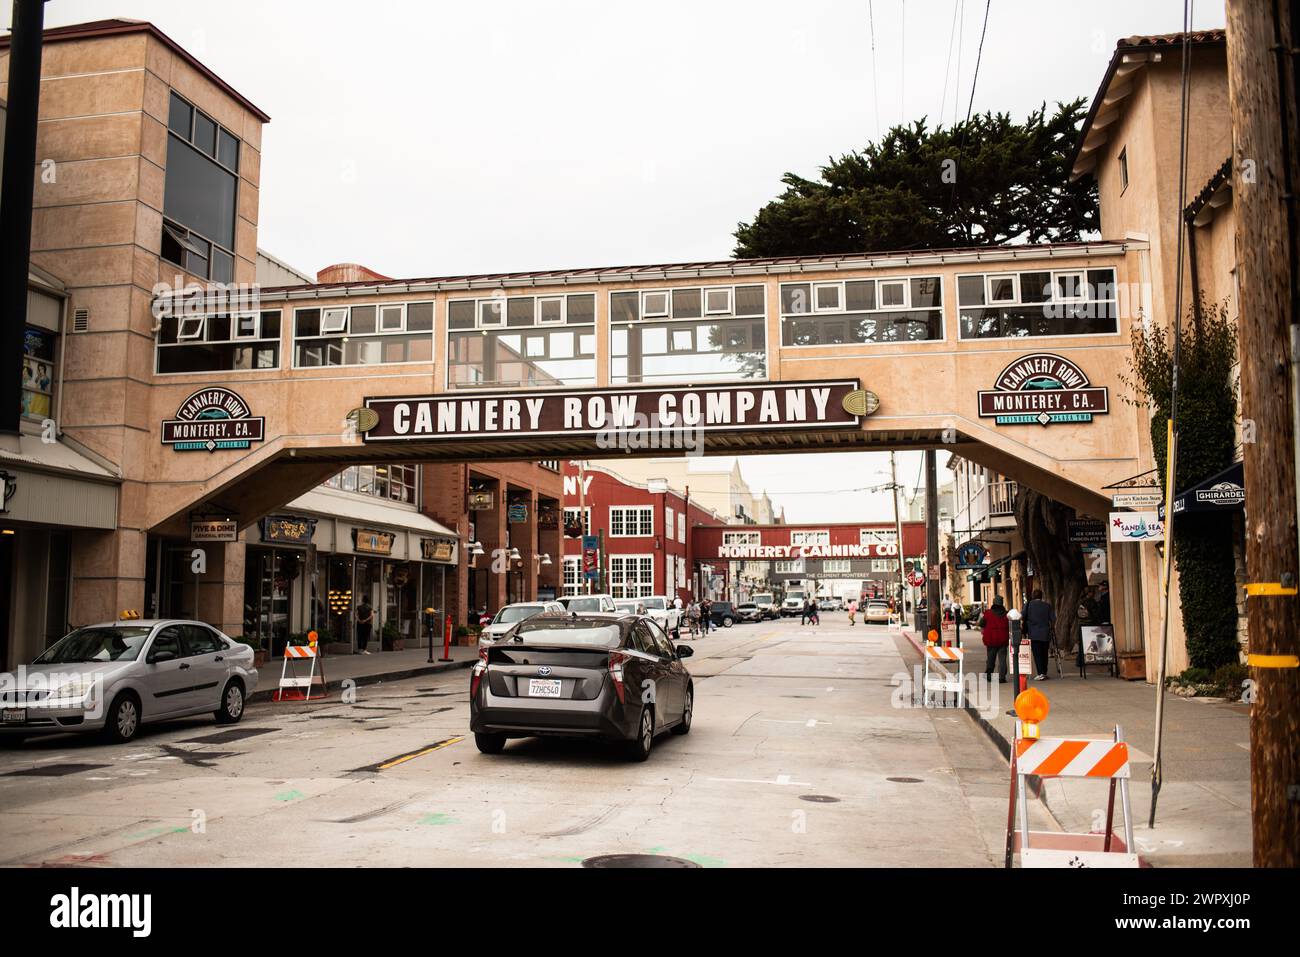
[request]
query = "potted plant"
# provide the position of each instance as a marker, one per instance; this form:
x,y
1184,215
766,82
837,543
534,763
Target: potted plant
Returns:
x,y
390,638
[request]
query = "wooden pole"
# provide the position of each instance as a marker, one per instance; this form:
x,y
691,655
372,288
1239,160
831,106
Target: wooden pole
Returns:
x,y
1265,176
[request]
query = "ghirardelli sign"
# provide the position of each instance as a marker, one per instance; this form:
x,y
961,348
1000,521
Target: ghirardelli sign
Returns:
x,y
211,419
596,412
1045,389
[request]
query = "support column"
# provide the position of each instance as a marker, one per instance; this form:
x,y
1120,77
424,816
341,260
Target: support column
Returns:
x,y
932,601
107,575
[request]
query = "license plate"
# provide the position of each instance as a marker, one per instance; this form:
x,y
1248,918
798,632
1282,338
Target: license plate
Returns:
x,y
543,687
15,716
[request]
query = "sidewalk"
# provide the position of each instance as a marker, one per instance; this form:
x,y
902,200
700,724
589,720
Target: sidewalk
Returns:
x,y
367,669
1203,813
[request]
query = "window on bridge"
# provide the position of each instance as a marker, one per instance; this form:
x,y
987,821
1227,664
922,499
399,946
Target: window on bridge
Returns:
x,y
688,333
1059,302
522,340
379,334
219,342
865,310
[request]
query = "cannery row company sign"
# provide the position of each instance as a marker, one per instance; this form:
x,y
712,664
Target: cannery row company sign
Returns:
x,y
594,412
211,419
1045,389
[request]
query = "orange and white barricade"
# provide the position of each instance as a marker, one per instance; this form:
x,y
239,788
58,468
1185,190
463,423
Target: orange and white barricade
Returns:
x,y
939,679
295,687
1105,759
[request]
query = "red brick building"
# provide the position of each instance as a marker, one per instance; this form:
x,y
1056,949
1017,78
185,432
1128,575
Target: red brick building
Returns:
x,y
510,511
646,531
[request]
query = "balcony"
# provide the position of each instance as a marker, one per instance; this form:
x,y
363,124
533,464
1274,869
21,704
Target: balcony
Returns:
x,y
992,506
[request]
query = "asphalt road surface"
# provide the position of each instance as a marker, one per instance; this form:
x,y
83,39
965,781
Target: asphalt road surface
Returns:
x,y
803,752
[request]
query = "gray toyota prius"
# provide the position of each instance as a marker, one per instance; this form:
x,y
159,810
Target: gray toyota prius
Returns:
x,y
618,677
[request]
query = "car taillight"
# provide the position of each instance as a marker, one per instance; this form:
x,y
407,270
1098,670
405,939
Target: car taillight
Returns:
x,y
616,659
479,668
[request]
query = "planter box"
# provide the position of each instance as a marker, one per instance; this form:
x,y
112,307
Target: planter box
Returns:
x,y
337,648
1133,665
398,644
259,657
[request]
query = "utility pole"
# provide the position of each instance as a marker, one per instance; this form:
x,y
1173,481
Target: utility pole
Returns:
x,y
16,190
898,533
933,617
1265,177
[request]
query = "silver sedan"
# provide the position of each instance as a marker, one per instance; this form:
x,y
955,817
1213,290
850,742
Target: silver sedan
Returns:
x,y
114,677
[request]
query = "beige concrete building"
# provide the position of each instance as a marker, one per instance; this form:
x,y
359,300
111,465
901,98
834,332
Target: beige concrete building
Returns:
x,y
202,406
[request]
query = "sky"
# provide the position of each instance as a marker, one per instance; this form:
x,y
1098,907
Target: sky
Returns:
x,y
433,139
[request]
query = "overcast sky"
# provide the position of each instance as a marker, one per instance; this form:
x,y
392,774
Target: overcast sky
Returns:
x,y
429,138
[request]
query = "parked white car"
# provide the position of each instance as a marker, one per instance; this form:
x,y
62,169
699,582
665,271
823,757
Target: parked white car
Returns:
x,y
658,607
115,676
587,604
510,615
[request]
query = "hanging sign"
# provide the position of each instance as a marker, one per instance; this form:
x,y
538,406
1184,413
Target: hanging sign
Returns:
x,y
214,530
437,549
1044,389
1137,499
1136,527
212,419
288,529
1088,532
517,513
479,501
971,555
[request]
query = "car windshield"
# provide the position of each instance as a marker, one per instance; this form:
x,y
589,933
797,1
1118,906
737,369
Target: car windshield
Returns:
x,y
101,643
626,605
653,602
513,613
584,604
568,634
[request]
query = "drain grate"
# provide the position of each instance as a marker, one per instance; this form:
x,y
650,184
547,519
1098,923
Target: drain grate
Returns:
x,y
637,860
819,798
904,780
54,770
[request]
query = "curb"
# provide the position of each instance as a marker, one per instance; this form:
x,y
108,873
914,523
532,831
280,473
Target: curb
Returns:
x,y
362,680
1033,784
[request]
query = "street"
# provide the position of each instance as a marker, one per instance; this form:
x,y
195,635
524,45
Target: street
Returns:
x,y
799,756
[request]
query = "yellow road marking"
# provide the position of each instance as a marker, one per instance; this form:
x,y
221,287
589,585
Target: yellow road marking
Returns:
x,y
418,754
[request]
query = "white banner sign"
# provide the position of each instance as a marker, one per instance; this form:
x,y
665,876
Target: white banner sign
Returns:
x,y
1136,527
1150,499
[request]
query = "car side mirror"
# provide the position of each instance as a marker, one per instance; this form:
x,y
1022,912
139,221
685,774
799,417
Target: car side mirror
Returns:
x,y
158,656
685,651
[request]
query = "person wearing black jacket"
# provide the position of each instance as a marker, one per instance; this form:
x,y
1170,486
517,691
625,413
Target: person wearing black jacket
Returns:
x,y
1039,620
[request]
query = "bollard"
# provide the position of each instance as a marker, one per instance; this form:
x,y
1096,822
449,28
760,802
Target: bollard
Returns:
x,y
446,641
1017,679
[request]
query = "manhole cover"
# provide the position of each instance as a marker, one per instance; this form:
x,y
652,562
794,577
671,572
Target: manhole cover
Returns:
x,y
819,798
637,860
904,780
54,770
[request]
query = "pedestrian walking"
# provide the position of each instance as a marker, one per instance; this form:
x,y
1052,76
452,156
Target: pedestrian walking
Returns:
x,y
706,616
853,611
995,633
1040,618
365,622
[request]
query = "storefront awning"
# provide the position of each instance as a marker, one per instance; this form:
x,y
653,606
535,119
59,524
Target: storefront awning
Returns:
x,y
983,574
52,483
357,509
1223,492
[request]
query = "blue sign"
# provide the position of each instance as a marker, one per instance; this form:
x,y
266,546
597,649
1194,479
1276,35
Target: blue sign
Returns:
x,y
971,555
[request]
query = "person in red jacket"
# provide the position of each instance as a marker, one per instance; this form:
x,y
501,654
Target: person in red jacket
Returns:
x,y
996,633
